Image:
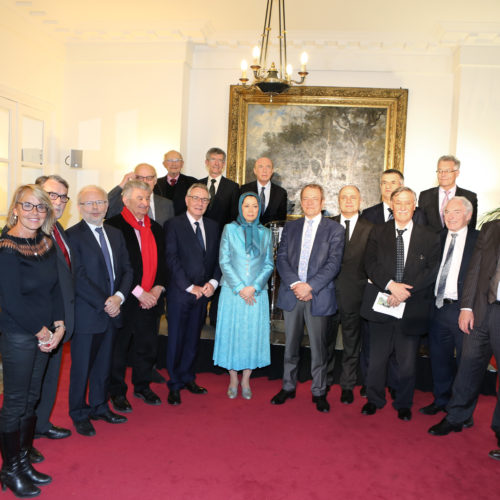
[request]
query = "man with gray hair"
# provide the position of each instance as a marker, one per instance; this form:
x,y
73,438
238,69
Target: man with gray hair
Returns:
x,y
432,201
445,337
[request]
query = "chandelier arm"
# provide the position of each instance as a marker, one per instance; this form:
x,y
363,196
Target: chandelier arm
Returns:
x,y
283,41
265,35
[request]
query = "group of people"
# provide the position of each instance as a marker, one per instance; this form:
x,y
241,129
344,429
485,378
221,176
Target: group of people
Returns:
x,y
174,244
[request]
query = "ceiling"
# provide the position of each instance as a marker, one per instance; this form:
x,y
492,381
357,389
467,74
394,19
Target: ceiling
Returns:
x,y
239,22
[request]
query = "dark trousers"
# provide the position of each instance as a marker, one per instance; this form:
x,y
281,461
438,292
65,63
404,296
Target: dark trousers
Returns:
x,y
445,338
185,315
23,368
317,327
139,334
476,353
90,366
385,339
49,390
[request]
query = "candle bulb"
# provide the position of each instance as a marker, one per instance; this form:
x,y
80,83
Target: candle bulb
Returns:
x,y
255,55
244,67
303,61
289,71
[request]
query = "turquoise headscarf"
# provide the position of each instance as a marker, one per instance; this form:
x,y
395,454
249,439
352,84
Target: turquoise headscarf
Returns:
x,y
252,239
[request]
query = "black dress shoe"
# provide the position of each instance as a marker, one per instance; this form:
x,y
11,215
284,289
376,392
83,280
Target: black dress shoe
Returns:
x,y
109,417
444,427
85,428
495,454
121,404
148,396
431,409
347,397
282,396
369,409
54,433
362,391
322,404
174,398
35,456
469,423
194,388
404,414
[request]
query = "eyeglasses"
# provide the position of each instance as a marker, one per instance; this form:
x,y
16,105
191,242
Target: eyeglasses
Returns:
x,y
176,160
53,196
41,208
90,204
145,178
444,172
205,201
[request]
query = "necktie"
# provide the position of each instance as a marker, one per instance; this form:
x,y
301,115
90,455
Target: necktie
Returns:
x,y
107,257
173,182
444,272
199,236
493,292
445,201
347,222
400,255
262,200
305,251
62,246
391,216
212,189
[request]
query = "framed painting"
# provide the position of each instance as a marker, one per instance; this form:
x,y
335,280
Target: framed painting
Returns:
x,y
332,136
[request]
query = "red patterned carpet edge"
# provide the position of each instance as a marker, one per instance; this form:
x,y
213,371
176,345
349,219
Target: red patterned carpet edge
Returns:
x,y
211,447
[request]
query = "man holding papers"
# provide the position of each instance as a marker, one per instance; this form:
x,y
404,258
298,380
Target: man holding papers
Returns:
x,y
401,260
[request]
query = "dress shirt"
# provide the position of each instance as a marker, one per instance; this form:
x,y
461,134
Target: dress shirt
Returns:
x,y
406,241
216,183
442,194
267,193
352,224
169,178
387,213
192,220
151,211
450,291
316,220
110,250
64,242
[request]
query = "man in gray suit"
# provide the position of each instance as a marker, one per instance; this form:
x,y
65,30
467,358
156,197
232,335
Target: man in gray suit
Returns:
x,y
57,189
160,209
308,260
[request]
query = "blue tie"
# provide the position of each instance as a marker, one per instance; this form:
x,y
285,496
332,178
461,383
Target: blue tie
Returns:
x,y
107,257
199,236
305,252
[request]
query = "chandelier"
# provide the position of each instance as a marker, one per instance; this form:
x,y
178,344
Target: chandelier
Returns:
x,y
272,80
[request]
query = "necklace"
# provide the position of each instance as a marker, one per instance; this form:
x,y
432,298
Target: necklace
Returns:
x,y
35,253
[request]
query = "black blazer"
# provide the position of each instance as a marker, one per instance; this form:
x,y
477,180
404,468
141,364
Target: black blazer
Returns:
x,y
375,214
277,206
175,193
92,280
428,201
186,263
482,267
352,278
223,208
421,267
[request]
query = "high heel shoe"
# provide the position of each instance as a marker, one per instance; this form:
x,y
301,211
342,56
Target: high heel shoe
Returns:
x,y
232,392
246,393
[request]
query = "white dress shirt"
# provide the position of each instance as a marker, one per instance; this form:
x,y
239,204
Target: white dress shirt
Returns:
x,y
352,224
267,194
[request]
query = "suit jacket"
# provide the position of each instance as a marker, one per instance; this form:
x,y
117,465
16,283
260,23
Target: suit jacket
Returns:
x,y
428,201
375,214
134,251
277,206
223,208
175,193
92,280
186,263
164,208
67,283
323,267
421,267
352,279
481,270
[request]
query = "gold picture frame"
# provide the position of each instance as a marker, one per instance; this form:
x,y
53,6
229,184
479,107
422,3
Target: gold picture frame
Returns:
x,y
367,128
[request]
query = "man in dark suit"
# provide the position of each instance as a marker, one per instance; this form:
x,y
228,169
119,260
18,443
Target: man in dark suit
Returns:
x,y
192,256
103,277
390,180
145,245
174,185
57,189
160,209
308,260
432,201
445,337
401,261
272,197
224,193
479,319
349,287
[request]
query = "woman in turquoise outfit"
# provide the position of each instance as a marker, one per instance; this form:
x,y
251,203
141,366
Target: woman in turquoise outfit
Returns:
x,y
246,261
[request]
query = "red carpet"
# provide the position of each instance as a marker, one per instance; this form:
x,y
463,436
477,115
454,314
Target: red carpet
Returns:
x,y
211,447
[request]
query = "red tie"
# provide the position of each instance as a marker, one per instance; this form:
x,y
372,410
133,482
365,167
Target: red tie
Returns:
x,y
62,246
173,182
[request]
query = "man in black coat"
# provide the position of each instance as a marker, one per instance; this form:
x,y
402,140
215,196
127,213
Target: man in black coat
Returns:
x,y
432,201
